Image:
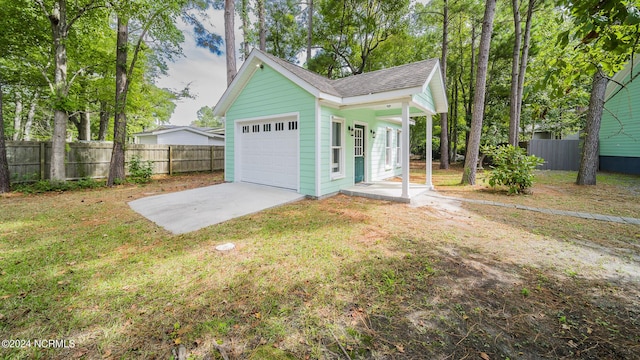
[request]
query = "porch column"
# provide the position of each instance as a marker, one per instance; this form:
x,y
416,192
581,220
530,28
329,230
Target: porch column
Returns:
x,y
429,151
405,150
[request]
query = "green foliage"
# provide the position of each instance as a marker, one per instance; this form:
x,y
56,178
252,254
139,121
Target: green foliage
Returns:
x,y
206,119
44,186
140,171
512,167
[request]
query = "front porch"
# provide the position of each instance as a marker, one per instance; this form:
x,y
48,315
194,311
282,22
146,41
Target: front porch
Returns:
x,y
386,190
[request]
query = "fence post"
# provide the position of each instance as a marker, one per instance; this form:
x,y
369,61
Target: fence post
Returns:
x,y
170,160
42,160
213,157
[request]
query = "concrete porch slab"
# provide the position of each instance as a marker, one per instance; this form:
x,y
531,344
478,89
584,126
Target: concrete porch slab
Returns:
x,y
185,211
385,190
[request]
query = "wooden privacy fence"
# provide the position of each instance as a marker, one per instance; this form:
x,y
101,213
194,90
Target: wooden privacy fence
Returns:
x,y
30,161
557,154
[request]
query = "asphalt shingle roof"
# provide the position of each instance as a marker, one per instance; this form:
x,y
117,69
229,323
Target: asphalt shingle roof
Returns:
x,y
395,78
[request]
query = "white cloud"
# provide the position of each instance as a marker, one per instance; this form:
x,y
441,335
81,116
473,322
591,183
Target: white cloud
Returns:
x,y
204,73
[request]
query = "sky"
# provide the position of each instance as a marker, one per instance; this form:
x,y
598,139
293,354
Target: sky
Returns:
x,y
204,72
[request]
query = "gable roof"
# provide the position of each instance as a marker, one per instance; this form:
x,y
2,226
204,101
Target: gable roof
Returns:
x,y
391,83
164,129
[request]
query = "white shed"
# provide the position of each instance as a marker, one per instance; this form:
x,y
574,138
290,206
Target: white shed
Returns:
x,y
179,135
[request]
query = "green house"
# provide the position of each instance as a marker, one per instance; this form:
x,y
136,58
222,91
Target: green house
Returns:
x,y
620,129
291,128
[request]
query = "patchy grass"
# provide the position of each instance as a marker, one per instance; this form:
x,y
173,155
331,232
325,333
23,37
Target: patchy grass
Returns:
x,y
336,278
615,194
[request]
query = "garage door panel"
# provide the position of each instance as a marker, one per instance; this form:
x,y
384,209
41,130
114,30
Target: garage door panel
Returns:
x,y
269,153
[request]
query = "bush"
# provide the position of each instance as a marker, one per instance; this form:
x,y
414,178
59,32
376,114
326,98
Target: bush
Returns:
x,y
512,167
43,186
140,171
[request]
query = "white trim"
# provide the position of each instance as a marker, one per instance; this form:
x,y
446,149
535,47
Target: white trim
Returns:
x,y
429,149
388,148
398,148
397,119
318,119
420,107
405,150
342,166
237,152
268,117
380,97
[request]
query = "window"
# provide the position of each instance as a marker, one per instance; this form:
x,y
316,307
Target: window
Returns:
x,y
245,129
266,127
388,149
337,148
256,128
398,148
279,126
293,125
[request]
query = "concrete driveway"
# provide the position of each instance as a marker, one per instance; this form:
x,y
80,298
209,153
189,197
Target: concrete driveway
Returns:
x,y
185,211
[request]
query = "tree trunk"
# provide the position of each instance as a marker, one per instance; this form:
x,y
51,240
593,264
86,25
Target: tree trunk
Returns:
x,y
469,100
5,185
309,30
245,29
454,123
104,121
515,67
17,119
30,116
262,30
58,19
444,139
471,160
116,167
525,58
589,158
84,129
230,39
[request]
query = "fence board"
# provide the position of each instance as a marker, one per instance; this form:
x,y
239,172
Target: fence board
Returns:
x,y
92,159
557,154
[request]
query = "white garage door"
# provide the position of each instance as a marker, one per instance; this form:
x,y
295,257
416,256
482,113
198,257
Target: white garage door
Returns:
x,y
269,152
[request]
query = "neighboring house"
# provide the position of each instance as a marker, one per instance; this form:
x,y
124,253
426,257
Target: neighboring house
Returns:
x,y
179,135
291,128
620,129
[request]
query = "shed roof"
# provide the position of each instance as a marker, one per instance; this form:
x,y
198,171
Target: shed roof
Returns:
x,y
164,129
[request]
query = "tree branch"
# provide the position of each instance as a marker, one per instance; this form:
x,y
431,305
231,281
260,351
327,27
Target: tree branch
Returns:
x,y
91,6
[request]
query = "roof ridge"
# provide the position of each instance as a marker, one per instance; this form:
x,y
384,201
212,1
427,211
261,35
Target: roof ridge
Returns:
x,y
391,78
286,64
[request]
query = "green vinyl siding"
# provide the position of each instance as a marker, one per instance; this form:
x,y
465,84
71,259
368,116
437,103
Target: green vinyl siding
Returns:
x,y
375,168
425,99
620,129
269,93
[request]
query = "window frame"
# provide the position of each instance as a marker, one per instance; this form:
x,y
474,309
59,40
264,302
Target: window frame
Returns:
x,y
388,149
398,147
341,164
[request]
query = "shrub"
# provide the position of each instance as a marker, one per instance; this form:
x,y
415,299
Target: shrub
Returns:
x,y
43,186
512,167
140,171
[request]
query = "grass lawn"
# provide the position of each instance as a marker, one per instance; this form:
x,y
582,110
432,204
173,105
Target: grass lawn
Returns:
x,y
337,278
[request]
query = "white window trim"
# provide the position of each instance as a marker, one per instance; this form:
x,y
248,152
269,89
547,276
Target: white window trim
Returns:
x,y
398,148
340,174
388,149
